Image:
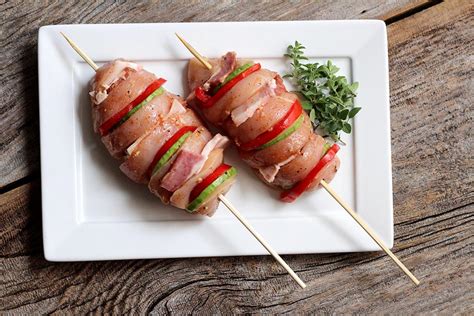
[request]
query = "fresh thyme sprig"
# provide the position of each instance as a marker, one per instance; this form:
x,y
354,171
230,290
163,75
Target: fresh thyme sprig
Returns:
x,y
328,98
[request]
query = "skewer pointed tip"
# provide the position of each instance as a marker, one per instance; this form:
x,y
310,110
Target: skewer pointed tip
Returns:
x,y
195,53
65,36
260,239
68,39
369,231
81,53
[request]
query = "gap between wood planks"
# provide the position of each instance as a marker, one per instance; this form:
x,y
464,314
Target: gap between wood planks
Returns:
x,y
20,182
393,17
389,18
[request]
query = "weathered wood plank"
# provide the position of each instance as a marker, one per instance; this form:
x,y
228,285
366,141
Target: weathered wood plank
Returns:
x,y
337,283
19,145
431,109
398,13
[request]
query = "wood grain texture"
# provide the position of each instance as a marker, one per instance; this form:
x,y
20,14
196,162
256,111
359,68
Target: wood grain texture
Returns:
x,y
20,20
431,67
431,77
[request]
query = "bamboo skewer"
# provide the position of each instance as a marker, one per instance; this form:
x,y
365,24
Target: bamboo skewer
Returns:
x,y
269,248
368,230
331,191
195,53
80,52
221,197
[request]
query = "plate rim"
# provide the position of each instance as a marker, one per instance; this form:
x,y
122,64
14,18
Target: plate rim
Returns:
x,y
57,240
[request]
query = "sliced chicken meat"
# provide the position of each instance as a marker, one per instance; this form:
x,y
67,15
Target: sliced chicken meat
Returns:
x,y
180,197
269,173
138,162
246,110
199,74
280,151
109,75
121,95
138,124
240,93
220,71
249,111
262,120
188,160
299,167
160,141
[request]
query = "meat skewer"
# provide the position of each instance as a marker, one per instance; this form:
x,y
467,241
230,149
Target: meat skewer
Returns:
x,y
178,126
232,110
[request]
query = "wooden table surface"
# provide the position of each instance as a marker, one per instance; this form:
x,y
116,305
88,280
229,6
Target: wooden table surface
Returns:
x,y
431,88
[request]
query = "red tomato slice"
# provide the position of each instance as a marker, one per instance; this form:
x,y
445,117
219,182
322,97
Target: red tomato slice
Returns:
x,y
201,186
201,94
169,143
292,194
290,117
207,101
104,129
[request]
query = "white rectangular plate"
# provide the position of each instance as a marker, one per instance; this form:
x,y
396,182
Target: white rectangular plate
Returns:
x,y
91,211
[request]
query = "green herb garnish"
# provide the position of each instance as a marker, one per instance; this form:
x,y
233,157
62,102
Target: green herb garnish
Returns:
x,y
328,98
